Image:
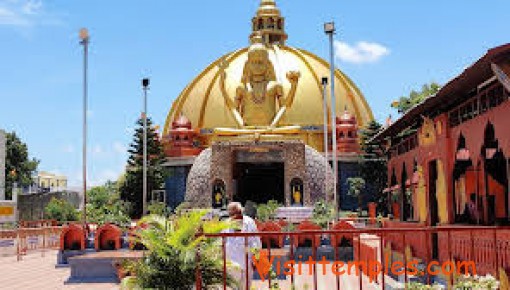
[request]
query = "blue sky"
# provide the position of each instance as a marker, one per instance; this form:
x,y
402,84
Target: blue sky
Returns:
x,y
386,47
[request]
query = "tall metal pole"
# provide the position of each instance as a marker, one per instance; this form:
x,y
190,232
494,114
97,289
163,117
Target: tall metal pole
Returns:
x,y
325,111
145,85
329,29
84,36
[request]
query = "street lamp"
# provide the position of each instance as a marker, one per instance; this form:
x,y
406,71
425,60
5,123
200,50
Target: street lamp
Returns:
x,y
145,86
325,111
84,40
329,29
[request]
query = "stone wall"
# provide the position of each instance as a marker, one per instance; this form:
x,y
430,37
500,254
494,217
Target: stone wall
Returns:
x,y
293,152
31,206
300,161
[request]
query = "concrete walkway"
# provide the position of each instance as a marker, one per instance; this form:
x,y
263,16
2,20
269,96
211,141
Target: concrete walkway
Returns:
x,y
39,273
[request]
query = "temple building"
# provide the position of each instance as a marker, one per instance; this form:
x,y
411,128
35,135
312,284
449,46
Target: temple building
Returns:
x,y
448,156
250,127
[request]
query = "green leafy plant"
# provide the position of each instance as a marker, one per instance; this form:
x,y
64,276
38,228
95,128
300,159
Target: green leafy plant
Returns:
x,y
158,208
323,213
356,186
267,211
172,245
61,210
405,103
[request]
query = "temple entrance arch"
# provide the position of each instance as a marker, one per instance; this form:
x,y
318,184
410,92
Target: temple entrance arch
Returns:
x,y
259,182
495,198
464,183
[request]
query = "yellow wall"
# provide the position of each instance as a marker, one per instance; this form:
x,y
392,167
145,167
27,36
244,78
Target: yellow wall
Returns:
x,y
421,192
441,189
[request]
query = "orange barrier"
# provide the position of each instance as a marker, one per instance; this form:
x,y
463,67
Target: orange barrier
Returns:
x,y
108,237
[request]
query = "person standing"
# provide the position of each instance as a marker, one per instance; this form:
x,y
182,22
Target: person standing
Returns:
x,y
235,246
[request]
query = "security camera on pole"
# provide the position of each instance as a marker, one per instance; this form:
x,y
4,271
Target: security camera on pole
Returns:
x,y
145,85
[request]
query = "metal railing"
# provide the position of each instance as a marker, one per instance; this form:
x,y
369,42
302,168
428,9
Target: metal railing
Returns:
x,y
488,248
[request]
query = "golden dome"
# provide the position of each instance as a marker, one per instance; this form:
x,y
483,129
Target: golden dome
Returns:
x,y
268,8
203,104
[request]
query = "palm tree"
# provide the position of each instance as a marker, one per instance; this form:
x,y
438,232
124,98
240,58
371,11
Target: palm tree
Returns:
x,y
176,248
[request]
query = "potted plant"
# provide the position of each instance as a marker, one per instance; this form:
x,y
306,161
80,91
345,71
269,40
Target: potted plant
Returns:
x,y
356,186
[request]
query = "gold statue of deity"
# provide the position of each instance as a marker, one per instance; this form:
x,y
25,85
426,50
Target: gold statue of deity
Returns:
x,y
297,196
255,104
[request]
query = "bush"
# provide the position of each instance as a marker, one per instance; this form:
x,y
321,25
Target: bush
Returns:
x,y
267,211
61,210
172,245
158,208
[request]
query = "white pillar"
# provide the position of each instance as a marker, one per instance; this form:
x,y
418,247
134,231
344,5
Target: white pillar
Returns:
x,y
2,164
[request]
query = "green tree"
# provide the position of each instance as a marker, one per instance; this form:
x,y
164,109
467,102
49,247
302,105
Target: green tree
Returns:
x,y
132,188
105,206
18,166
356,187
407,102
61,210
374,165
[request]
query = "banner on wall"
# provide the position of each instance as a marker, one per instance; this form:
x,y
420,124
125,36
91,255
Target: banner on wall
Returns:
x,y
7,212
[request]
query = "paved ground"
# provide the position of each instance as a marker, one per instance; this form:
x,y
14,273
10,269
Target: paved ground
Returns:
x,y
37,272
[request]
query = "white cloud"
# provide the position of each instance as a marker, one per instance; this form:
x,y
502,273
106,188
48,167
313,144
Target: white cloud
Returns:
x,y
32,7
25,14
361,52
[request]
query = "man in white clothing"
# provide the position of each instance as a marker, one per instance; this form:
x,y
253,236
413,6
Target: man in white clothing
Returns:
x,y
235,246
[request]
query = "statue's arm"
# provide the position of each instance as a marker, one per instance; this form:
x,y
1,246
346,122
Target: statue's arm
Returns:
x,y
233,107
293,78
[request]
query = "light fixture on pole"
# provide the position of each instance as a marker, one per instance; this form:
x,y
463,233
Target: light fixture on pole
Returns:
x,y
329,29
145,85
84,40
325,112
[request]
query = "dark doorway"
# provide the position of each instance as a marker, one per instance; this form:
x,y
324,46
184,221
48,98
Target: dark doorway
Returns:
x,y
259,182
433,214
